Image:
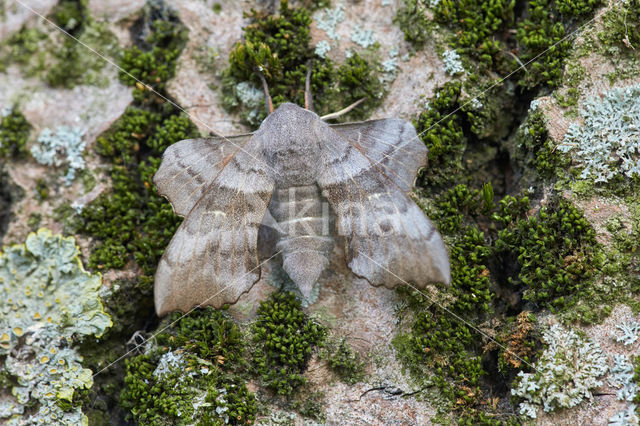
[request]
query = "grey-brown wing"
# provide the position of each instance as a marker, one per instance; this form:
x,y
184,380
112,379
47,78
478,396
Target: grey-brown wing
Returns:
x,y
391,144
389,239
212,258
189,166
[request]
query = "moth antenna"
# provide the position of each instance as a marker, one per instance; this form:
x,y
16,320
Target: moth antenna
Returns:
x,y
268,100
308,102
343,111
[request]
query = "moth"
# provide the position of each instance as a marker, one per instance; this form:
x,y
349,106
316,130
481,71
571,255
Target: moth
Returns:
x,y
315,184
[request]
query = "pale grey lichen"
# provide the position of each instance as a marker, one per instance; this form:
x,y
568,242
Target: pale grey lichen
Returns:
x,y
607,143
564,375
322,48
47,300
452,62
630,332
621,377
168,362
627,417
62,148
328,19
252,98
362,37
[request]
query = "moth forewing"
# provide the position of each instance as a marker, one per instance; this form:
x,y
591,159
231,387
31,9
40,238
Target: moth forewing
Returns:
x,y
212,259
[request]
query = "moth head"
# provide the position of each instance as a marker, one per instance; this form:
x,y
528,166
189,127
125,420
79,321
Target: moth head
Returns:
x,y
290,143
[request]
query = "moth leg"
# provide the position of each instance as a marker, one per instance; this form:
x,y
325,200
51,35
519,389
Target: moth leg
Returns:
x,y
267,97
308,103
343,111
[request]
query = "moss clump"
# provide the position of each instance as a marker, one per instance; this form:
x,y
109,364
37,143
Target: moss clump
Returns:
x,y
71,15
557,254
576,7
535,149
543,30
556,260
343,361
145,221
441,130
621,32
74,64
413,22
191,373
58,59
284,338
21,48
279,45
153,59
520,343
475,24
14,132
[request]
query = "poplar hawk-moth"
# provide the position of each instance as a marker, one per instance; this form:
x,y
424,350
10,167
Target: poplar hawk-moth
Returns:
x,y
291,166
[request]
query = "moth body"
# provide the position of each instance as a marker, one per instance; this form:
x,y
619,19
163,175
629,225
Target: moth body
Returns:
x,y
291,150
304,236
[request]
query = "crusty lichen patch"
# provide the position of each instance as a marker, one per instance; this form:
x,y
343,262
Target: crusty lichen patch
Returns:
x,y
47,301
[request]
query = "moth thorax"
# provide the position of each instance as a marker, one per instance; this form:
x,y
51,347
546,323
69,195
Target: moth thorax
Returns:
x,y
305,240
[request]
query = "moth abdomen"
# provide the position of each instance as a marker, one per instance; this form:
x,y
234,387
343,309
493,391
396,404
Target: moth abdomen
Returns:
x,y
304,238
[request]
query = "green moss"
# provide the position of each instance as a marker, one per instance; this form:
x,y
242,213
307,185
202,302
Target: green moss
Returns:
x,y
153,59
343,361
279,45
497,253
621,32
441,130
476,24
285,338
576,7
58,59
71,15
34,221
14,133
441,339
191,373
557,254
413,22
75,64
145,221
536,151
24,48
543,31
619,278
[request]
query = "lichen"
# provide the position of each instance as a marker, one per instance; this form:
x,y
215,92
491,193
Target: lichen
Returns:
x,y
363,37
48,302
608,142
452,63
565,374
328,19
62,148
630,332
